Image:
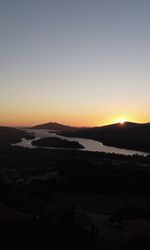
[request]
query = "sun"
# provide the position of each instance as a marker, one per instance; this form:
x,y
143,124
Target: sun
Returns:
x,y
121,120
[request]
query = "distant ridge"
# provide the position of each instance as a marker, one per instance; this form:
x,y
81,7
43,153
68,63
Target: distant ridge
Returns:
x,y
55,126
125,125
128,135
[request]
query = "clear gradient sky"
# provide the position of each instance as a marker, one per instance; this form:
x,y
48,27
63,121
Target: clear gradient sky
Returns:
x,y
78,62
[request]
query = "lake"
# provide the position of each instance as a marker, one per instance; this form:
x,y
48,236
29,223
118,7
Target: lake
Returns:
x,y
89,145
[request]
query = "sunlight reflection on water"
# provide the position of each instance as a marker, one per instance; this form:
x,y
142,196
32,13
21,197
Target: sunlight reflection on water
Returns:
x,y
89,145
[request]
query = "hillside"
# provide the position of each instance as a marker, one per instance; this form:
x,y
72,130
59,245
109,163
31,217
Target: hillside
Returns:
x,y
54,126
128,135
10,135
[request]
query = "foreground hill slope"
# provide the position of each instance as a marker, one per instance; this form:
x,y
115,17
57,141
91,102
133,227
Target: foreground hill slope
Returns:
x,y
10,135
128,135
54,126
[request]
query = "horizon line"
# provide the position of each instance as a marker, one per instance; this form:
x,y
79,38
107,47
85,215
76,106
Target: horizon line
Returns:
x,y
107,124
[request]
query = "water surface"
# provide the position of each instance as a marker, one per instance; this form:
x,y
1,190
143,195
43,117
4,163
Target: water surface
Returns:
x,y
89,145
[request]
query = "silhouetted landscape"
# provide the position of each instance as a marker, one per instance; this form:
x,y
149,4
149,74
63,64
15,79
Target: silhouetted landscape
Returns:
x,y
70,198
128,135
12,135
54,126
75,125
56,142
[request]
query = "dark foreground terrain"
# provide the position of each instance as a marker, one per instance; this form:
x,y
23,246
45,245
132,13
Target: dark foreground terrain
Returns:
x,y
55,199
12,135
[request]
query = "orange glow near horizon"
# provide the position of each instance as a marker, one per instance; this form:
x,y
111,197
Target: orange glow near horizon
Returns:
x,y
80,120
74,63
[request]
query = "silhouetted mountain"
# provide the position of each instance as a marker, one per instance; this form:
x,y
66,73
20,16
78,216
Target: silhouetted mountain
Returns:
x,y
128,135
54,126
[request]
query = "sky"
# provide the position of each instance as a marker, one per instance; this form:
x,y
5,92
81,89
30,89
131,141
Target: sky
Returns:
x,y
76,62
